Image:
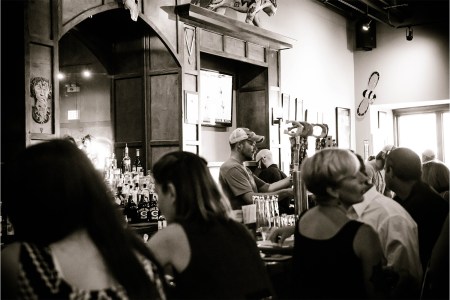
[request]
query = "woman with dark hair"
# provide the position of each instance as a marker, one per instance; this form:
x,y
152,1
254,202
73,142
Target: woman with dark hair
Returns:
x,y
72,241
211,255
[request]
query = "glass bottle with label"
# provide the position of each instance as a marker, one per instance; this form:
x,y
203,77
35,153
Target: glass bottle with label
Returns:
x,y
143,209
154,210
126,161
137,162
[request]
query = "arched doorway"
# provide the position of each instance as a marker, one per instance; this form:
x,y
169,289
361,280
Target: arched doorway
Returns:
x,y
114,105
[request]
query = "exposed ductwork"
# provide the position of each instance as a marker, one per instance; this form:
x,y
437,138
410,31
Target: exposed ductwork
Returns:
x,y
394,13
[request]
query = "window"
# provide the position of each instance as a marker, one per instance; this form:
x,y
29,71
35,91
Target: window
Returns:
x,y
421,128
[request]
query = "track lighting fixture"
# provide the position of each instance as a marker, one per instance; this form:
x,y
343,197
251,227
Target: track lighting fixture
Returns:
x,y
366,26
409,33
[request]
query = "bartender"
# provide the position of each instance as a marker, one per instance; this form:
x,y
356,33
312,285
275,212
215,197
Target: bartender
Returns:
x,y
238,182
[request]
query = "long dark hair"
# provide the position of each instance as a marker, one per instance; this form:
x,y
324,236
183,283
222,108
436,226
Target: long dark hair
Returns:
x,y
55,191
198,196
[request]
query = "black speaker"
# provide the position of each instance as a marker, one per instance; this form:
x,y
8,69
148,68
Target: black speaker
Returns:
x,y
365,39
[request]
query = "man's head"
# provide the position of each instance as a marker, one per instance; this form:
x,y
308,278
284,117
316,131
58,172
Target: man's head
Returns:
x,y
243,140
264,156
402,165
428,155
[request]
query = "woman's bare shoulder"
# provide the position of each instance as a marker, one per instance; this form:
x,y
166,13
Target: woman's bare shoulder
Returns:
x,y
171,246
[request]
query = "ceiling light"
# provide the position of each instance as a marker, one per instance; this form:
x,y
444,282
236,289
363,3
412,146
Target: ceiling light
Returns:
x,y
61,76
87,74
366,26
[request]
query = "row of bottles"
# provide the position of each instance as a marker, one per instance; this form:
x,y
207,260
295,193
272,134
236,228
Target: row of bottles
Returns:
x,y
126,162
134,192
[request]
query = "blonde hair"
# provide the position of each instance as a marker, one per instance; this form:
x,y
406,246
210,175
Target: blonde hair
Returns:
x,y
326,168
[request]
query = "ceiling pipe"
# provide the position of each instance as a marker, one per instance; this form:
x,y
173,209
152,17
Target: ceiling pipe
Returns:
x,y
366,13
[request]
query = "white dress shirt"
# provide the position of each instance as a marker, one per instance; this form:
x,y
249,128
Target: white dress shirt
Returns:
x,y
396,230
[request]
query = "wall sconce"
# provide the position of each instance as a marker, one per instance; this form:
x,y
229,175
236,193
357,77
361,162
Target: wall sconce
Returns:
x,y
277,115
366,26
409,33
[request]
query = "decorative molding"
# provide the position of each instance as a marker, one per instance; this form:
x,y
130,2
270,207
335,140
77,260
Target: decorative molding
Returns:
x,y
198,16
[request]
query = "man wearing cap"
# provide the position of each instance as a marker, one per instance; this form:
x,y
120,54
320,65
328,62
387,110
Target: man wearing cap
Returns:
x,y
238,182
428,209
270,173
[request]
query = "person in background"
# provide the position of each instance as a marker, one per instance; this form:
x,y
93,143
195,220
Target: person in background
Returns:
x,y
327,244
270,173
374,166
72,242
88,148
428,155
398,235
428,209
212,256
238,182
386,149
435,173
70,138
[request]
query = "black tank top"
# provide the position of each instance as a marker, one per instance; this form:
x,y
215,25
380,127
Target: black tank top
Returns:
x,y
328,269
225,264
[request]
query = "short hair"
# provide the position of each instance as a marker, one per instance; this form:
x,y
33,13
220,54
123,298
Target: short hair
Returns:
x,y
327,167
199,198
381,156
405,164
436,174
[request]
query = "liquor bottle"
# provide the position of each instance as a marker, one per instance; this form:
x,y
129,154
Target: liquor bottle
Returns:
x,y
126,161
154,210
113,161
130,210
137,162
143,209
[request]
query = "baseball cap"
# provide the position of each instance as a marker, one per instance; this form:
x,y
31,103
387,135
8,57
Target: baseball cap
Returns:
x,y
241,134
262,154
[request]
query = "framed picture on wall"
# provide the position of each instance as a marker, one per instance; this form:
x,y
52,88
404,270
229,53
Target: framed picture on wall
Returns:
x,y
299,109
343,127
288,106
191,107
381,119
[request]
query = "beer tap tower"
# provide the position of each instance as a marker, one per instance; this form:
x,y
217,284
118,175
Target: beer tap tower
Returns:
x,y
298,137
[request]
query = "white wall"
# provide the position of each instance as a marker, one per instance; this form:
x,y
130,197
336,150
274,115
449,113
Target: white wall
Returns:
x,y
325,72
411,72
319,68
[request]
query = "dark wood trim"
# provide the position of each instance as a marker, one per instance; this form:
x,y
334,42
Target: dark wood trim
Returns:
x,y
84,15
161,143
198,16
163,71
41,41
235,57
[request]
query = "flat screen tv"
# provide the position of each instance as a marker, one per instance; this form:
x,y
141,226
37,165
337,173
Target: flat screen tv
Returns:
x,y
216,96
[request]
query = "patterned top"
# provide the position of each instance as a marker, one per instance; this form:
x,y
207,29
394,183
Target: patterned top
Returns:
x,y
39,278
